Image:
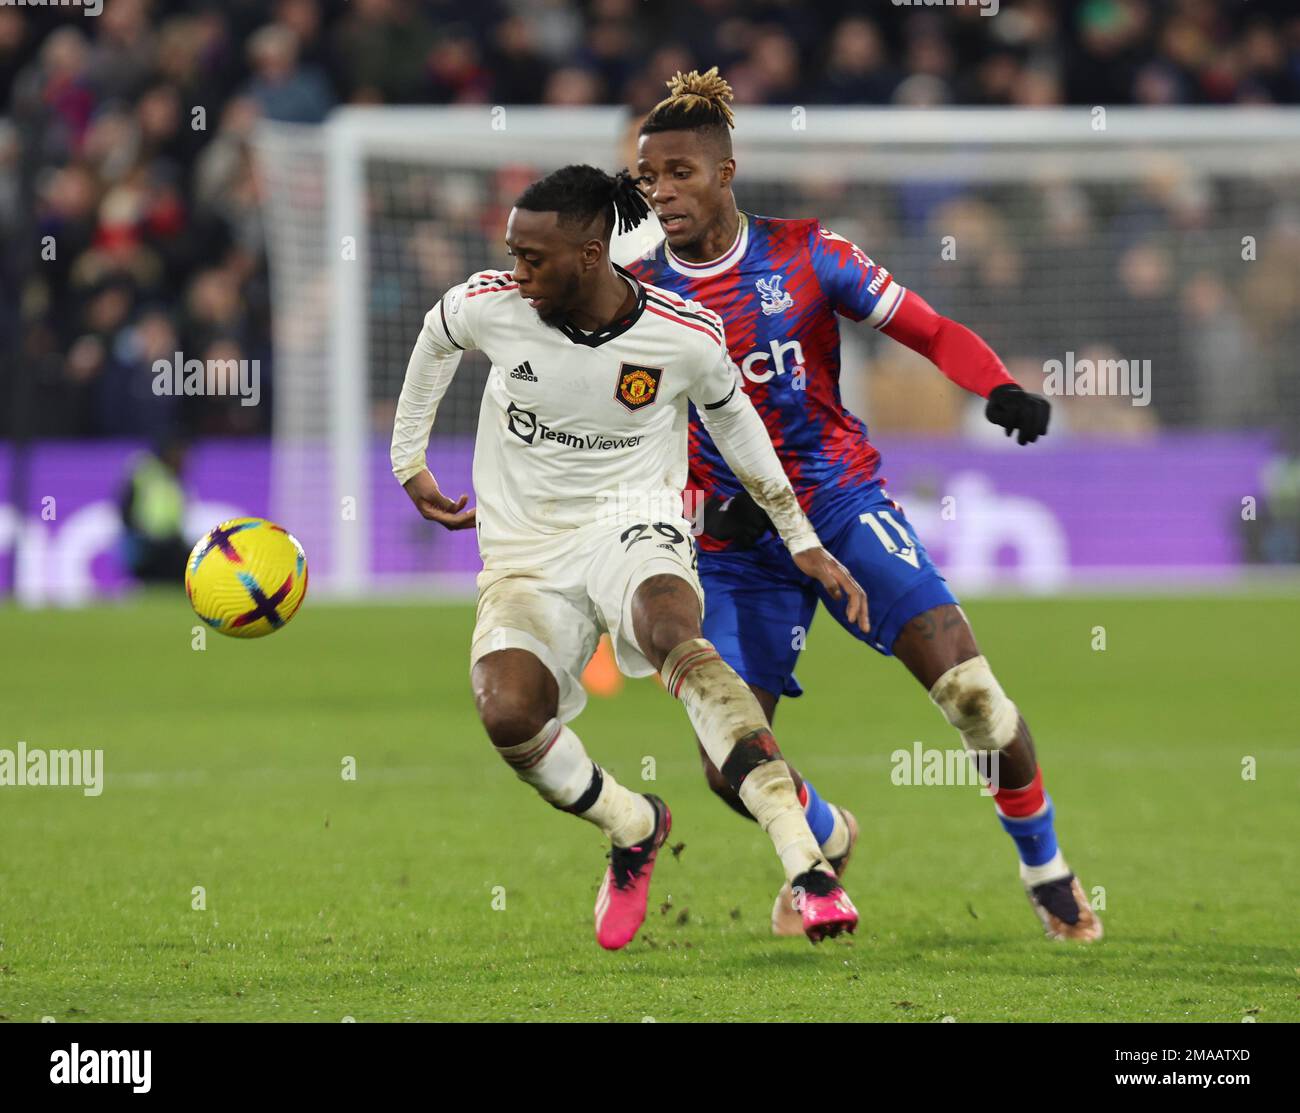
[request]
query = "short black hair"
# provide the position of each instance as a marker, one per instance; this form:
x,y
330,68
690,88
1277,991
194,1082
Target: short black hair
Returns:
x,y
581,193
699,102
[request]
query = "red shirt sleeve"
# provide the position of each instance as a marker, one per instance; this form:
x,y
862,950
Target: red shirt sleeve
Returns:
x,y
959,353
693,496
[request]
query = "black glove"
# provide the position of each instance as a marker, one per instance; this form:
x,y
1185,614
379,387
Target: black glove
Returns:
x,y
1013,409
739,519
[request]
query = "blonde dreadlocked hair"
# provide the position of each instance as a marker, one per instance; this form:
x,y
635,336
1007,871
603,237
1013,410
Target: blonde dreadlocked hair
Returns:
x,y
696,101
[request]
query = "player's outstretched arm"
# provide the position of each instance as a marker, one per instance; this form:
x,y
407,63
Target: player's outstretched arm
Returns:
x,y
741,436
429,373
862,289
968,361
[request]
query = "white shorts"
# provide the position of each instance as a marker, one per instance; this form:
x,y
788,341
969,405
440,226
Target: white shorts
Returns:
x,y
558,610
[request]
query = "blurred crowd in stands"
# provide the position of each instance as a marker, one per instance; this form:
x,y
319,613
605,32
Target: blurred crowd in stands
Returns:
x,y
130,205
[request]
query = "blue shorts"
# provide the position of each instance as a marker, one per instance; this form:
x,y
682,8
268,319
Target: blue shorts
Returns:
x,y
758,606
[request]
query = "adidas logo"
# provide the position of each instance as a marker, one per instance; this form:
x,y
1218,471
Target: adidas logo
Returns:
x,y
524,372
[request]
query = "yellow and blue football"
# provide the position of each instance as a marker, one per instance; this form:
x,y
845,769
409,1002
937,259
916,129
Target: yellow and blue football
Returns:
x,y
246,577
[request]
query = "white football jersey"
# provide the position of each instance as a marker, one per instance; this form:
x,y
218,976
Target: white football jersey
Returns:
x,y
578,427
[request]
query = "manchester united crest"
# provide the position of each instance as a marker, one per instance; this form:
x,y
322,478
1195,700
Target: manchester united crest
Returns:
x,y
637,386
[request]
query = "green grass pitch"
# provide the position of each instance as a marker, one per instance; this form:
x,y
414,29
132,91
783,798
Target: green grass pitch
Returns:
x,y
374,898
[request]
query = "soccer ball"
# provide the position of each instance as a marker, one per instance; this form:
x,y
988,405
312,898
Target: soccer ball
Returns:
x,y
246,577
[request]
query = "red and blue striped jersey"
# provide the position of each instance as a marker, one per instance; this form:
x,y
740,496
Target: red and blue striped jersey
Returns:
x,y
778,289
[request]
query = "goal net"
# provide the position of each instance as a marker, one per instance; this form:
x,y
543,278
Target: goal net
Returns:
x,y
1138,265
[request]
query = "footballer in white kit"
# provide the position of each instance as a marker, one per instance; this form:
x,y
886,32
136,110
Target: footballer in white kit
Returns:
x,y
579,465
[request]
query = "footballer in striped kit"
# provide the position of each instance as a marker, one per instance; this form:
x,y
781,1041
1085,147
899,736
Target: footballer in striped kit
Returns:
x,y
779,287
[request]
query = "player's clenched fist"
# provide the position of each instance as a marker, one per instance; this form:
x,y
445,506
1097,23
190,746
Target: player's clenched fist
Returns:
x,y
436,506
1014,408
839,584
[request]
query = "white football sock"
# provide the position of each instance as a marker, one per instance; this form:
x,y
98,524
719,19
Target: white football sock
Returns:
x,y
555,763
767,792
724,712
625,816
837,843
1050,870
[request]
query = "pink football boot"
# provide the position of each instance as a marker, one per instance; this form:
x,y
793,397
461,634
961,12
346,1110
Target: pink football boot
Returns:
x,y
824,905
621,902
786,918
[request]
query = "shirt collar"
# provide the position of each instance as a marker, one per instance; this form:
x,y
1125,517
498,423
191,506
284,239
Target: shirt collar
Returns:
x,y
614,328
725,261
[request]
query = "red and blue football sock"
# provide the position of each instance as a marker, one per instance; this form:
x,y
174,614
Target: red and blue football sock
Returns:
x,y
1026,814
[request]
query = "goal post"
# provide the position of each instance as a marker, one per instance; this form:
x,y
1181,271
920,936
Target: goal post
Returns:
x,y
1064,236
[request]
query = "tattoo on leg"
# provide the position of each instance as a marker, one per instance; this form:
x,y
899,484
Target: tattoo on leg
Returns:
x,y
924,625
